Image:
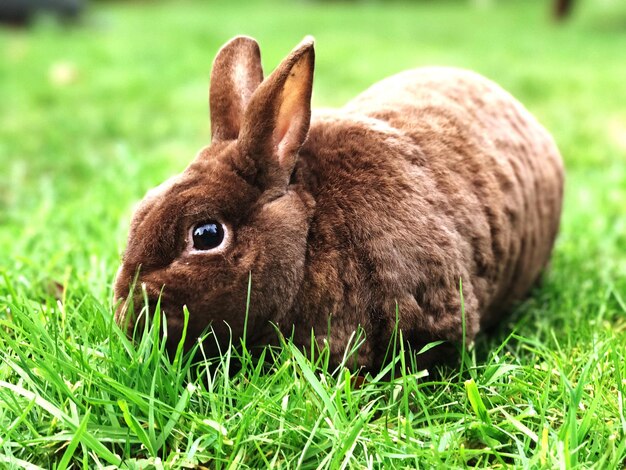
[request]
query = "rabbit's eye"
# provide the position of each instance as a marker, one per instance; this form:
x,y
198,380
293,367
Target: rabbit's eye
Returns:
x,y
207,235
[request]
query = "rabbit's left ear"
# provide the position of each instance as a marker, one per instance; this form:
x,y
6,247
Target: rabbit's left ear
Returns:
x,y
277,120
236,74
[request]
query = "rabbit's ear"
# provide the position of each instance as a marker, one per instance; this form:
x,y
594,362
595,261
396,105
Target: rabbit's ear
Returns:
x,y
277,120
236,73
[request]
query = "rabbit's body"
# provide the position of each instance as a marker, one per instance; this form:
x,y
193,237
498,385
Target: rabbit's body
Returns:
x,y
428,178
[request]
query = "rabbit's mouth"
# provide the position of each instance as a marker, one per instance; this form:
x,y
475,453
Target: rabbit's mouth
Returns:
x,y
134,315
125,316
131,311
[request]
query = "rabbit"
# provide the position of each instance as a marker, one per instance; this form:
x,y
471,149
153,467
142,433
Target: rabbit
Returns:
x,y
377,216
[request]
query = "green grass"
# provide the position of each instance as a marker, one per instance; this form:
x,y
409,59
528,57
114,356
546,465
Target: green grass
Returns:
x,y
92,117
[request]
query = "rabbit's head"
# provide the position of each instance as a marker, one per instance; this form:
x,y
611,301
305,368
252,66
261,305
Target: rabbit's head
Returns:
x,y
195,240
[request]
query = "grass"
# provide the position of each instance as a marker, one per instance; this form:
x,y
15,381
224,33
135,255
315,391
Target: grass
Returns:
x,y
92,117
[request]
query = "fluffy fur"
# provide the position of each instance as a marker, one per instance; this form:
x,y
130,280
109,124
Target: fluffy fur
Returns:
x,y
428,177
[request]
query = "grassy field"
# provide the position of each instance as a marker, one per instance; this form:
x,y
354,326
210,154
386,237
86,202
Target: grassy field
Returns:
x,y
92,117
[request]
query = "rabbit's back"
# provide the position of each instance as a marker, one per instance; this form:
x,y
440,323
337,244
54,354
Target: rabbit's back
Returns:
x,y
488,155
428,177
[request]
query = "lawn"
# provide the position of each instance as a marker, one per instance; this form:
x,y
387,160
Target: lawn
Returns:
x,y
93,116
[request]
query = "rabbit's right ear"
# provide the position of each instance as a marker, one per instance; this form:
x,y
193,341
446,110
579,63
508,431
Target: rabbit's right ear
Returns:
x,y
236,74
277,120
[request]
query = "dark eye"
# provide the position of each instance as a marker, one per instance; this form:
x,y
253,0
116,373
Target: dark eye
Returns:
x,y
207,235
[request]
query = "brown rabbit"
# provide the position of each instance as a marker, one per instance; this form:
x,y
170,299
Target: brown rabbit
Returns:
x,y
353,217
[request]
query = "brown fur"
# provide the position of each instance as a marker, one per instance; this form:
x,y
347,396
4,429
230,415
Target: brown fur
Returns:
x,y
428,177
